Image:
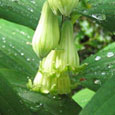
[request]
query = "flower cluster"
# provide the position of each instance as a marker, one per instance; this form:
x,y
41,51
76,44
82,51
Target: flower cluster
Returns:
x,y
56,48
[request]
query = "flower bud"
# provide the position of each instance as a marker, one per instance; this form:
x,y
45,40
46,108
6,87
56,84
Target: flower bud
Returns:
x,y
47,34
64,6
53,6
69,56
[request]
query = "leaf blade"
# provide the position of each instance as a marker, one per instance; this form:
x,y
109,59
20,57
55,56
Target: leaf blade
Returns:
x,y
39,103
101,67
102,11
10,102
16,49
103,102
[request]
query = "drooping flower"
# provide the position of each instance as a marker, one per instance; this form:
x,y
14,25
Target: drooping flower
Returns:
x,y
64,6
47,34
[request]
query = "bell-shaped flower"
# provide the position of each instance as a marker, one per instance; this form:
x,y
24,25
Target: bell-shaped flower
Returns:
x,y
47,34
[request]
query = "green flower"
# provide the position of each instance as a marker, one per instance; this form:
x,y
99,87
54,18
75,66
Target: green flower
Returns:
x,y
64,6
47,34
56,83
53,6
53,75
69,56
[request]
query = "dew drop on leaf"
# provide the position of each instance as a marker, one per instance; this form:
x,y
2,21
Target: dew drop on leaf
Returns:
x,y
109,66
33,1
22,54
13,33
28,59
97,58
3,46
103,73
99,17
28,43
30,9
4,41
15,54
110,54
54,97
3,38
97,82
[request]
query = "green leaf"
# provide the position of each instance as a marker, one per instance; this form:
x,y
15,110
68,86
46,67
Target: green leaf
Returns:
x,y
39,103
83,97
102,11
17,68
109,47
103,103
56,105
101,67
15,48
10,102
25,12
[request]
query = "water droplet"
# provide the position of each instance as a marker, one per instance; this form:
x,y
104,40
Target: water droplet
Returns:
x,y
40,104
4,41
85,11
28,36
22,54
110,54
13,33
32,1
23,33
103,73
3,46
28,77
30,9
11,46
99,16
15,54
3,38
54,97
97,58
109,66
97,82
28,43
28,59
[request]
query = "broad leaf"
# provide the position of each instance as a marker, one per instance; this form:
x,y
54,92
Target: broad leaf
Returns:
x,y
103,103
37,102
83,97
109,47
101,67
16,50
10,102
18,62
102,11
28,12
25,12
